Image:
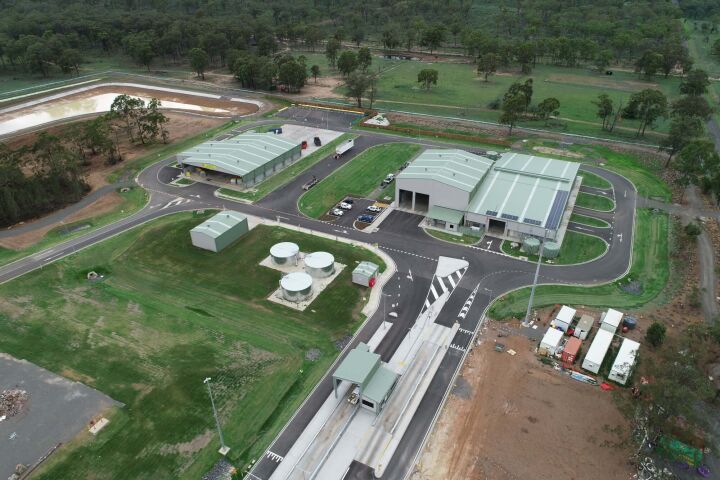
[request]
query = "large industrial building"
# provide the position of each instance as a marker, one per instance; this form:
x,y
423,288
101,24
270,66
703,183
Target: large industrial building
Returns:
x,y
243,160
517,196
218,232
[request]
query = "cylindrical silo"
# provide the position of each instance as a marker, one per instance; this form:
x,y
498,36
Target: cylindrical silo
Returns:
x,y
320,264
296,286
531,245
551,250
284,253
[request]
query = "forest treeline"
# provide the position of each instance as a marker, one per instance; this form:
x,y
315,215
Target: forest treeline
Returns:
x,y
50,36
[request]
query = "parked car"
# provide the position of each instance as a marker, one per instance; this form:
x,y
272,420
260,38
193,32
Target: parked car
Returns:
x,y
405,165
366,218
349,200
310,184
375,209
337,212
388,180
345,206
317,141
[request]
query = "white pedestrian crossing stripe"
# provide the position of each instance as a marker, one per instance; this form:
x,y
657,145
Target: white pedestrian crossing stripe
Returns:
x,y
465,331
457,347
442,284
274,457
439,286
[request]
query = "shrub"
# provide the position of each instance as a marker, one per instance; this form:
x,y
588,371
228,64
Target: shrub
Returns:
x,y
655,334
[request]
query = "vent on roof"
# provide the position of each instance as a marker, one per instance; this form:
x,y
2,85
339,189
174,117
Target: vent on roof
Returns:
x,y
532,221
492,213
509,217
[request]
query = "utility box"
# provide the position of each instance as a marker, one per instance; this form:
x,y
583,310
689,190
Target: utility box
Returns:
x,y
366,274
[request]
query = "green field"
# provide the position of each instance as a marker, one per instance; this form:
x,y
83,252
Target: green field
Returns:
x,y
133,201
650,265
591,221
288,174
359,177
449,237
592,180
594,202
161,321
576,248
461,93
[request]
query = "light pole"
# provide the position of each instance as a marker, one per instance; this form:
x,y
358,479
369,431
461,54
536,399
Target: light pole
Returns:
x,y
224,449
385,296
526,322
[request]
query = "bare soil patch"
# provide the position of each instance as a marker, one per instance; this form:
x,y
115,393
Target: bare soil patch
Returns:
x,y
103,205
523,419
558,151
601,81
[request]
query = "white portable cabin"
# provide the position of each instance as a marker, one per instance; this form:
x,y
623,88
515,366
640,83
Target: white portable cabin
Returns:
x,y
611,320
597,351
564,318
624,362
583,327
550,343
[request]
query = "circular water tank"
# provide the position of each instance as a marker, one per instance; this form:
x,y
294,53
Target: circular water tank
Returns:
x,y
320,264
531,245
284,252
551,250
296,286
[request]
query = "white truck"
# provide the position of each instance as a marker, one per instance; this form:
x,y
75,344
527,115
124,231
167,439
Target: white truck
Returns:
x,y
344,147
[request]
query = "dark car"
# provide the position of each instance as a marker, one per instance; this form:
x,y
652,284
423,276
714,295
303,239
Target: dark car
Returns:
x,y
317,141
349,200
366,218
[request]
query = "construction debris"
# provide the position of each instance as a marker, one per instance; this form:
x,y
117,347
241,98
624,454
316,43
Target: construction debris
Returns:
x,y
12,402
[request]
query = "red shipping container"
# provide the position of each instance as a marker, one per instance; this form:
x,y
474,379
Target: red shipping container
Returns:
x,y
572,347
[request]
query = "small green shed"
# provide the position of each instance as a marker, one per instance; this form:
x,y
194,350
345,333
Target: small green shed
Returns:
x,y
218,232
365,274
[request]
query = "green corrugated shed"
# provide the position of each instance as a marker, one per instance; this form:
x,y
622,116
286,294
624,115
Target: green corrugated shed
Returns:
x,y
218,232
358,366
380,386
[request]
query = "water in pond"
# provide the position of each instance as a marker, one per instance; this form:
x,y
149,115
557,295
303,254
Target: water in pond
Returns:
x,y
63,109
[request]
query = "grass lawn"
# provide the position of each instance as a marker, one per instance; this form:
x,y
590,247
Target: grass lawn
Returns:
x,y
161,151
650,265
184,181
449,237
595,202
288,174
590,221
359,177
133,201
461,93
163,320
576,248
592,180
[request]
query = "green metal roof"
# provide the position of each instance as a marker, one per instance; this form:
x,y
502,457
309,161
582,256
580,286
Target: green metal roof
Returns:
x,y
525,188
366,268
445,214
358,366
220,223
238,155
456,168
380,384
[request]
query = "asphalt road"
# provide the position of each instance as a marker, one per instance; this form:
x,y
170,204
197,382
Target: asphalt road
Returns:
x,y
413,251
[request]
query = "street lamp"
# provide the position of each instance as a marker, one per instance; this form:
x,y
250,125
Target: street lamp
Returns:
x,y
224,449
526,322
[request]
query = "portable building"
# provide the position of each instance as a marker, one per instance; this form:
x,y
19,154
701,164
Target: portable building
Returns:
x,y
584,326
564,318
624,362
597,351
550,343
611,320
365,274
218,232
372,377
571,349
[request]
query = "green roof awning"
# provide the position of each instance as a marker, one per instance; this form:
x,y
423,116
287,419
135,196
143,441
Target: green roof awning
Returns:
x,y
380,384
358,366
445,214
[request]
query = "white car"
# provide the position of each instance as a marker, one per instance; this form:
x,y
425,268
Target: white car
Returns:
x,y
337,212
373,208
345,206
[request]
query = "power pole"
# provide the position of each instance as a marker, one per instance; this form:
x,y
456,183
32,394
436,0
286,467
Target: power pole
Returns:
x,y
526,322
224,449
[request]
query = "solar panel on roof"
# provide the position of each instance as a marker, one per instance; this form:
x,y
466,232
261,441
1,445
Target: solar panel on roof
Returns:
x,y
532,221
508,216
492,213
556,210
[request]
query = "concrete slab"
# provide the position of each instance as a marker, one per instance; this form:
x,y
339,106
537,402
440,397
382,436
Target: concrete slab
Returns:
x,y
300,133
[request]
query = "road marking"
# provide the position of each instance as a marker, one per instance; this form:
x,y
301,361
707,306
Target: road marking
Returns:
x,y
465,331
457,347
274,457
409,276
442,284
489,244
620,237
468,303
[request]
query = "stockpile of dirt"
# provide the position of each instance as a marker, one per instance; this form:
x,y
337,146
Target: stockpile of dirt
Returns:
x,y
12,402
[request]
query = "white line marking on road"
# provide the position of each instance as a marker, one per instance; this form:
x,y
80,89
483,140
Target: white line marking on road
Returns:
x,y
434,292
452,282
620,237
442,284
465,331
274,457
457,347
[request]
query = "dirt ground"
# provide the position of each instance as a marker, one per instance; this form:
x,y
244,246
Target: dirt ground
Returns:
x,y
511,417
103,205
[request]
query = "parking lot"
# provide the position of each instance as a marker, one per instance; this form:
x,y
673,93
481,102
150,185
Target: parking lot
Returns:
x,y
320,118
359,207
56,410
